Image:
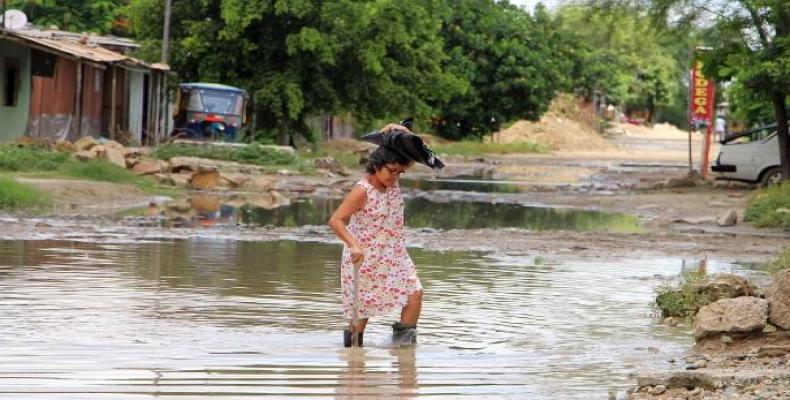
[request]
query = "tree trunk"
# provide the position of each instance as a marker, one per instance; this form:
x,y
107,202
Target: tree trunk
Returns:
x,y
778,99
283,137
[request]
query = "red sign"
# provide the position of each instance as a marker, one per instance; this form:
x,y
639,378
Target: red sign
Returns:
x,y
702,96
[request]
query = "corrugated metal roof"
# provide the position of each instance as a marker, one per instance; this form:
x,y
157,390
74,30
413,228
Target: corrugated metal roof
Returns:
x,y
77,49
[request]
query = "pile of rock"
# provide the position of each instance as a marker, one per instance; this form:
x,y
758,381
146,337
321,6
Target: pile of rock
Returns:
x,y
743,345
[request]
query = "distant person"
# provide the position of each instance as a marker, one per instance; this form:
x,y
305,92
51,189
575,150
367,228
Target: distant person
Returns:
x,y
369,221
720,128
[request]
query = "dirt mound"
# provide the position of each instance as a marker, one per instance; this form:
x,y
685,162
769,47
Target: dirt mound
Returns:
x,y
657,130
565,127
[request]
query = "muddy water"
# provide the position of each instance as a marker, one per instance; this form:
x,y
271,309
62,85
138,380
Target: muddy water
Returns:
x,y
222,319
424,213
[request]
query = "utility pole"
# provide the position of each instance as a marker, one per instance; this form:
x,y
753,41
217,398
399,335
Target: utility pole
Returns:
x,y
163,59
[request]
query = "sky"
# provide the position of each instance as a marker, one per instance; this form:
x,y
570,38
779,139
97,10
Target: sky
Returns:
x,y
530,4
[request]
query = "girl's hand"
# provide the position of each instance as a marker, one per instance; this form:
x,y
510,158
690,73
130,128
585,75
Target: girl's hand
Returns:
x,y
356,254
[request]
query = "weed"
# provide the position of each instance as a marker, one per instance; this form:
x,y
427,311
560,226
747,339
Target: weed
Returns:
x,y
16,195
683,300
472,148
770,207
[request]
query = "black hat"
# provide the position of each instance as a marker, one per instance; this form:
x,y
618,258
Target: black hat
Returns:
x,y
407,145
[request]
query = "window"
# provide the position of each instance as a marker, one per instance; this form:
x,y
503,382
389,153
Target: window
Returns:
x,y
11,83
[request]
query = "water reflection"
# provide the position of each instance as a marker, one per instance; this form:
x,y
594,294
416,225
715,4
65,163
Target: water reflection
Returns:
x,y
424,213
470,183
211,318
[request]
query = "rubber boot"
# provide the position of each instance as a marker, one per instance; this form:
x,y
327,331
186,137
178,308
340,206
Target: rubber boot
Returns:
x,y
348,335
404,334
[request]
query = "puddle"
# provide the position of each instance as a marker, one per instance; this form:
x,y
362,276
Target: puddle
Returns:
x,y
420,213
471,183
225,319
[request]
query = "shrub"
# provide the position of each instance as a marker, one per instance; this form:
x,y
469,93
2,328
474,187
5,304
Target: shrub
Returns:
x,y
683,300
770,207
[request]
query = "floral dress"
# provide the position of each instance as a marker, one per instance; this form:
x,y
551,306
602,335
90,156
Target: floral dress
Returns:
x,y
387,275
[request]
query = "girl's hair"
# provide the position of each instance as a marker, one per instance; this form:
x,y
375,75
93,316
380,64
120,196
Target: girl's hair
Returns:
x,y
383,156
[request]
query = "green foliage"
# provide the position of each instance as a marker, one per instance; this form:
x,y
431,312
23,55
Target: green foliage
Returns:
x,y
683,300
770,207
251,154
513,64
15,195
618,51
26,158
99,16
477,148
781,263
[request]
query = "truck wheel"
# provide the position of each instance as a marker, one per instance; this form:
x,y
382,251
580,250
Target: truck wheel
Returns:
x,y
771,177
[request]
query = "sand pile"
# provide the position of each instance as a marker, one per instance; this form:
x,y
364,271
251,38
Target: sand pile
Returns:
x,y
657,130
563,128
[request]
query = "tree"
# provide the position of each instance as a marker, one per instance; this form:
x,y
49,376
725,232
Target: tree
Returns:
x,y
298,58
753,49
510,60
99,16
622,54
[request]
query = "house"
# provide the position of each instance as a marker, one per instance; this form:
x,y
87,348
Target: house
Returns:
x,y
61,85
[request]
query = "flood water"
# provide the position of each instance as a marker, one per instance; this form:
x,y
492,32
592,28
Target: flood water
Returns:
x,y
424,213
224,319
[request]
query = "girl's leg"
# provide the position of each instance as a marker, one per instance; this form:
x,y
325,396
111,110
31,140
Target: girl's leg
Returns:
x,y
411,312
361,323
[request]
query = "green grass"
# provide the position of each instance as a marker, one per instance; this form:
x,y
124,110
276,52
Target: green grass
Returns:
x,y
770,207
781,263
100,170
253,154
37,162
15,195
25,159
683,300
473,148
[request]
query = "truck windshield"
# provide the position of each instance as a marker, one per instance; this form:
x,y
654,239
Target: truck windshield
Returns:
x,y
214,101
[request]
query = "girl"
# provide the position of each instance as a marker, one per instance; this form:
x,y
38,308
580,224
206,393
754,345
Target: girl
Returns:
x,y
374,241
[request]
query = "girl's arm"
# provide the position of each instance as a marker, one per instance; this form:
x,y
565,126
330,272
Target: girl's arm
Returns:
x,y
353,202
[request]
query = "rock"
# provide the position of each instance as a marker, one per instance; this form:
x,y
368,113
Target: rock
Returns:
x,y
262,182
147,167
726,340
729,218
65,145
192,164
332,165
131,161
671,321
165,179
206,204
268,201
773,351
114,156
84,155
778,297
768,327
208,179
111,144
657,390
725,286
695,392
235,180
85,143
741,314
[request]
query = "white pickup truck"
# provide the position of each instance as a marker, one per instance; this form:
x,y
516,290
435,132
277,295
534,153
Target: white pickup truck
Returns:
x,y
751,156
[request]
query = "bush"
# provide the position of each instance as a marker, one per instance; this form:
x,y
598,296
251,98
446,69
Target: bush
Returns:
x,y
251,154
683,300
23,159
15,195
770,207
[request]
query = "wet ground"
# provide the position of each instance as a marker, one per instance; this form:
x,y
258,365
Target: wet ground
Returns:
x,y
205,318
